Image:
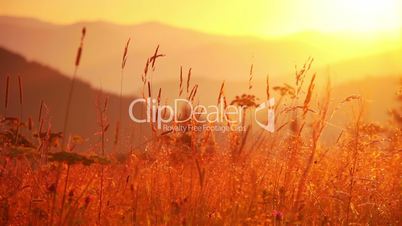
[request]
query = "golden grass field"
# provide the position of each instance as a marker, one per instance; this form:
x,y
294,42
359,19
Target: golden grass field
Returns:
x,y
289,177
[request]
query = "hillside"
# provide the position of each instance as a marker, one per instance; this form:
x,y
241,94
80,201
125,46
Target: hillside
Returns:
x,y
44,83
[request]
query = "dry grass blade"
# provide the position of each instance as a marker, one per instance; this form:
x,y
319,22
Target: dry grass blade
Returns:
x,y
123,64
144,76
188,80
267,88
79,51
6,94
65,124
221,92
181,81
71,90
21,91
149,90
78,57
301,74
193,92
155,56
40,111
164,110
250,77
159,96
124,59
309,95
21,96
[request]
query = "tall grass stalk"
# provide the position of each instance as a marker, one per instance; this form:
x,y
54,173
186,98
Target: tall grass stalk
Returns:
x,y
123,65
65,125
6,95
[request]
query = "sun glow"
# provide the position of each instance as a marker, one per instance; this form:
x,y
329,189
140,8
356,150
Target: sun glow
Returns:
x,y
366,15
229,17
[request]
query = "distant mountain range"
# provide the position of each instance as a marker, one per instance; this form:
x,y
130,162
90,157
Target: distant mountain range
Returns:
x,y
212,57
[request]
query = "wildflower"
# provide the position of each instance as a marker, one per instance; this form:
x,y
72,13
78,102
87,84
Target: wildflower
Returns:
x,y
277,214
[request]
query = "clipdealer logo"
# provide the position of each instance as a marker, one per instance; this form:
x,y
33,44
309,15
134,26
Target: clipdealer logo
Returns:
x,y
269,106
163,115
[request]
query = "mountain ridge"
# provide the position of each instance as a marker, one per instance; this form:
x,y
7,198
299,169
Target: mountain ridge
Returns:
x,y
210,56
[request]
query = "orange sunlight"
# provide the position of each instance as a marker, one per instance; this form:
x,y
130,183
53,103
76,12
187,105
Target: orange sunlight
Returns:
x,y
254,18
210,112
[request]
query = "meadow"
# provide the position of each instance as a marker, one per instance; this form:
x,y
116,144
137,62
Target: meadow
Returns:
x,y
248,177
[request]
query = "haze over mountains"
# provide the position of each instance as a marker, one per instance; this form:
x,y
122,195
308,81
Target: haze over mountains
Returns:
x,y
212,57
44,83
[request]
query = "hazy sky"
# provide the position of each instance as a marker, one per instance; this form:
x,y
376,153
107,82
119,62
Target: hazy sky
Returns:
x,y
230,17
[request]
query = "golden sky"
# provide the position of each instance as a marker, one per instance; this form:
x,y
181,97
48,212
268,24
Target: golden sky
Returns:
x,y
229,17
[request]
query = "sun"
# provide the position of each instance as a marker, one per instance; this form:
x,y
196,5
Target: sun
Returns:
x,y
367,15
